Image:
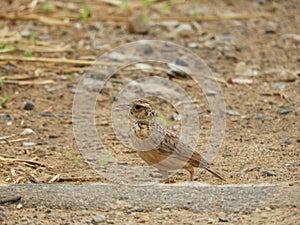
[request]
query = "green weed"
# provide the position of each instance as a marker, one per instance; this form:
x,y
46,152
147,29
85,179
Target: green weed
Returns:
x,y
125,5
28,53
164,121
85,11
5,99
106,159
13,49
68,155
2,46
78,159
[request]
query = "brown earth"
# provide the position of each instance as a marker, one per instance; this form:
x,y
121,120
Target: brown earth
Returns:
x,y
262,141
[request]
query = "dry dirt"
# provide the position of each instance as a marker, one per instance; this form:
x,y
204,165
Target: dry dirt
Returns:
x,y
262,140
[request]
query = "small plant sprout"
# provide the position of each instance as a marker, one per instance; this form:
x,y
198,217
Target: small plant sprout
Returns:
x,y
2,46
85,10
146,18
68,155
146,3
28,53
165,9
46,7
78,159
13,49
32,38
162,118
125,5
197,14
106,159
5,99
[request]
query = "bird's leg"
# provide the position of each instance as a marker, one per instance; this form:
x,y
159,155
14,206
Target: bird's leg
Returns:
x,y
166,177
192,175
192,172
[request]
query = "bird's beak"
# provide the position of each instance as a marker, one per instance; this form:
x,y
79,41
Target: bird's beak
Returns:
x,y
125,106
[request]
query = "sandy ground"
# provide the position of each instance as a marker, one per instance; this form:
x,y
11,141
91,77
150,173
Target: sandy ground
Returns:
x,y
251,47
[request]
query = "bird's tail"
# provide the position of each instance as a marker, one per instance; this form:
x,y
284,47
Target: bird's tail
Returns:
x,y
214,173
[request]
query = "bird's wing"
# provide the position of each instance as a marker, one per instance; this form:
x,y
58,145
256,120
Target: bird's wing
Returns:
x,y
171,146
186,153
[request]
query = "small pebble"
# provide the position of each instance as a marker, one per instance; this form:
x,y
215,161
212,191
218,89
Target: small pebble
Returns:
x,y
260,116
2,213
78,26
116,56
223,219
169,23
25,33
181,62
232,112
279,86
210,221
52,136
28,105
98,219
48,211
264,215
242,69
44,37
27,131
287,76
146,48
176,117
28,144
176,127
285,110
5,117
138,24
184,30
269,173
55,88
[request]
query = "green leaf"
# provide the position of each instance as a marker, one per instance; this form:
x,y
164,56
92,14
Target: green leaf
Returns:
x,y
46,7
146,3
32,38
13,49
78,158
164,121
85,11
197,14
165,9
2,46
125,5
68,155
28,53
1,83
146,18
160,115
5,99
106,159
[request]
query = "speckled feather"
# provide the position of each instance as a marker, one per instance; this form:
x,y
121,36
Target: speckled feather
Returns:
x,y
170,153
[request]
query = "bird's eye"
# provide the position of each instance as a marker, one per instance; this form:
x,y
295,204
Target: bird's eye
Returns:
x,y
137,107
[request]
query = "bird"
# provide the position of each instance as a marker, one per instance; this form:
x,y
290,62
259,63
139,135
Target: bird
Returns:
x,y
169,153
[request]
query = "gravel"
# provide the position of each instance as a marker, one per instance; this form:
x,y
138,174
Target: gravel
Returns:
x,y
186,195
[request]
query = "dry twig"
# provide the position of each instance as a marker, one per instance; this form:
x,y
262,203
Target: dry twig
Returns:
x,y
23,160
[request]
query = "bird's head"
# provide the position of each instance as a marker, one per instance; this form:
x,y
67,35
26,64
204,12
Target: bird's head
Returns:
x,y
142,110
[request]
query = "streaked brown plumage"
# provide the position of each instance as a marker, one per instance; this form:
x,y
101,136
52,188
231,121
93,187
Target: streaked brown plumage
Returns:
x,y
170,154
